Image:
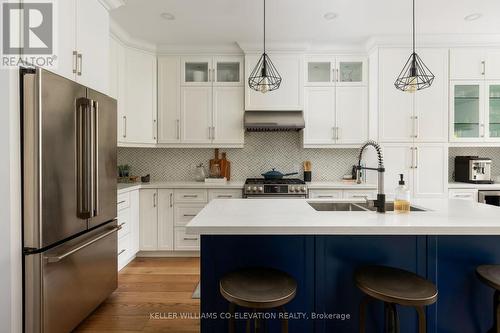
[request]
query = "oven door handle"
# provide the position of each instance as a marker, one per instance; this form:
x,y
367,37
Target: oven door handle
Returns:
x,y
82,246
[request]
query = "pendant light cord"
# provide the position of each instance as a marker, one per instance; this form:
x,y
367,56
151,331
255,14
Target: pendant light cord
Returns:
x,y
413,26
265,26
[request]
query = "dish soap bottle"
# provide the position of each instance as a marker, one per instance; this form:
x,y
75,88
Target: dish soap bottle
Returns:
x,y
402,197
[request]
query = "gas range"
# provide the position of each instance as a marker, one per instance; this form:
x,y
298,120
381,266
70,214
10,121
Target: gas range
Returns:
x,y
278,188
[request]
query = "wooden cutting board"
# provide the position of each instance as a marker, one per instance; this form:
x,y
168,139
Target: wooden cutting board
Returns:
x,y
225,167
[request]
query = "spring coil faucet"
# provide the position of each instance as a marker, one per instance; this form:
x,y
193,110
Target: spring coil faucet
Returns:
x,y
380,202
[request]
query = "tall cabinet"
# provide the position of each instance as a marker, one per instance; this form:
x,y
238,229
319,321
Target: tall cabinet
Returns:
x,y
413,128
336,101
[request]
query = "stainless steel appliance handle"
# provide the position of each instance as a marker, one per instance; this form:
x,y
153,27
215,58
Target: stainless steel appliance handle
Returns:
x,y
96,158
79,64
91,159
81,247
84,181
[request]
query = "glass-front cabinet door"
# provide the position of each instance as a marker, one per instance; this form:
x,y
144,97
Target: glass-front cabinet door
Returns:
x,y
320,71
228,71
351,71
467,115
493,108
196,71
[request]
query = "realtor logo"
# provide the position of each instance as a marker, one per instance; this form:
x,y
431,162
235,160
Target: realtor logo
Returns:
x,y
27,28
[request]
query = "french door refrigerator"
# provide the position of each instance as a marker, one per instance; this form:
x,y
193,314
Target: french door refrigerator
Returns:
x,y
69,200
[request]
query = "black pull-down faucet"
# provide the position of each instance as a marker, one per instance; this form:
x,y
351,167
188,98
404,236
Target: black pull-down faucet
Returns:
x,y
380,202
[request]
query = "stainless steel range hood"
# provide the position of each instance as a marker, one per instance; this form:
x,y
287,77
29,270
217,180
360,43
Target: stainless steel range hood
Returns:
x,y
274,121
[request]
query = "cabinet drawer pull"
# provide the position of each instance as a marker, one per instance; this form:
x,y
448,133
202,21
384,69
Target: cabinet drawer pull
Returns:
x,y
325,196
124,126
122,251
178,129
462,195
123,201
154,129
483,66
360,196
189,215
224,196
79,64
190,196
171,200
75,61
155,202
190,239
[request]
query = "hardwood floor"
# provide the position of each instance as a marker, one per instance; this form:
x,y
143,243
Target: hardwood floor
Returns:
x,y
149,287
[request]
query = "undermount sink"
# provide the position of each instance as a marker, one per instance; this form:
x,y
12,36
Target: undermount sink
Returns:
x,y
355,207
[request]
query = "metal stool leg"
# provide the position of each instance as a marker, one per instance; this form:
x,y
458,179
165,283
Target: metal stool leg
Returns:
x,y
362,313
231,324
284,321
422,323
391,318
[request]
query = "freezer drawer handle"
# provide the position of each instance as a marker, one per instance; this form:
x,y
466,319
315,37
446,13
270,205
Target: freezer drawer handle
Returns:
x,y
81,247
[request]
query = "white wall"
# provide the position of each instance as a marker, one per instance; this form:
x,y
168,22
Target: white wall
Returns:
x,y
10,235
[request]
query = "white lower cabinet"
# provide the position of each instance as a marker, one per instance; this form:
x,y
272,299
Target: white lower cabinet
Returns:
x,y
423,166
185,242
325,194
149,219
463,194
128,219
341,194
165,219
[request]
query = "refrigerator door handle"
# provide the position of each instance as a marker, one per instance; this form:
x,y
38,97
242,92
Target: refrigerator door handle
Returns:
x,y
96,158
82,246
83,153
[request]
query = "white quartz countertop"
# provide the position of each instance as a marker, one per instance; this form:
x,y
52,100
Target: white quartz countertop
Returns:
x,y
456,185
122,188
297,217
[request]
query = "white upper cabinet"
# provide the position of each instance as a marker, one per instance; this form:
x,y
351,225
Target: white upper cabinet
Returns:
x,y
289,96
351,115
196,113
117,81
474,64
169,99
395,107
339,71
66,60
140,98
227,118
320,71
413,117
92,44
319,112
200,101
83,43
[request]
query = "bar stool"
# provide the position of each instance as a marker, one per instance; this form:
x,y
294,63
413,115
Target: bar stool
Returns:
x,y
394,286
490,275
257,289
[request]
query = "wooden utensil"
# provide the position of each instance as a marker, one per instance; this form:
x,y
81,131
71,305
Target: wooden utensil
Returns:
x,y
225,167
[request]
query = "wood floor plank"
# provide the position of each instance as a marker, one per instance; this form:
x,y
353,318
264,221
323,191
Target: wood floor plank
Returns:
x,y
150,287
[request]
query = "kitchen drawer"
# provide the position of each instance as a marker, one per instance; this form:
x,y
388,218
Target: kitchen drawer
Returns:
x,y
463,194
125,221
123,201
190,195
356,194
325,194
225,194
184,213
124,251
184,242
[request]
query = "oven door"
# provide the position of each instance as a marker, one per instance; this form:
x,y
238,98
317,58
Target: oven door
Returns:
x,y
489,197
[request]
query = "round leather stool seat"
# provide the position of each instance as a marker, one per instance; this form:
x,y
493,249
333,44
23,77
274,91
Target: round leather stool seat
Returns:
x,y
489,274
395,285
258,288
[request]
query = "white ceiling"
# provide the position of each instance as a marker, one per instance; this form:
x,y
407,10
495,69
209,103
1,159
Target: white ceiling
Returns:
x,y
229,21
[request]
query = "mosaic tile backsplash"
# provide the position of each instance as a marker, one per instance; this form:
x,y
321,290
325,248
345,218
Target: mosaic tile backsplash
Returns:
x,y
262,151
490,152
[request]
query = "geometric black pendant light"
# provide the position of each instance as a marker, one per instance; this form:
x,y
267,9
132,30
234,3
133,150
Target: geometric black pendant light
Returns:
x,y
265,76
415,74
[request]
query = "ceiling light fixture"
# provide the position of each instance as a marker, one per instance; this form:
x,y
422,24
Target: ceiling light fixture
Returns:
x,y
330,16
265,76
167,16
473,17
415,74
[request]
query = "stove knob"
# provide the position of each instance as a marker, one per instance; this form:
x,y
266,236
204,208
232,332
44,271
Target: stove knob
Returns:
x,y
249,189
302,189
254,188
261,189
292,188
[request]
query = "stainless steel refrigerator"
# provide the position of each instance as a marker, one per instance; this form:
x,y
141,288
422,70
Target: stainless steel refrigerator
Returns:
x,y
69,200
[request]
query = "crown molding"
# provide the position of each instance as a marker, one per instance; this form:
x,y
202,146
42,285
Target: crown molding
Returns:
x,y
112,4
221,49
119,33
275,47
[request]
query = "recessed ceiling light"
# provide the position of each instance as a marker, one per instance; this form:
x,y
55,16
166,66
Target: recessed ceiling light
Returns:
x,y
167,16
473,17
330,16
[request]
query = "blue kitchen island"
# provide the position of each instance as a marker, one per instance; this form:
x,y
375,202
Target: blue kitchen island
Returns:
x,y
321,250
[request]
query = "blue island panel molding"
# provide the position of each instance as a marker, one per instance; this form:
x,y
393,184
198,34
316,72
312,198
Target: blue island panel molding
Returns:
x,y
324,265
